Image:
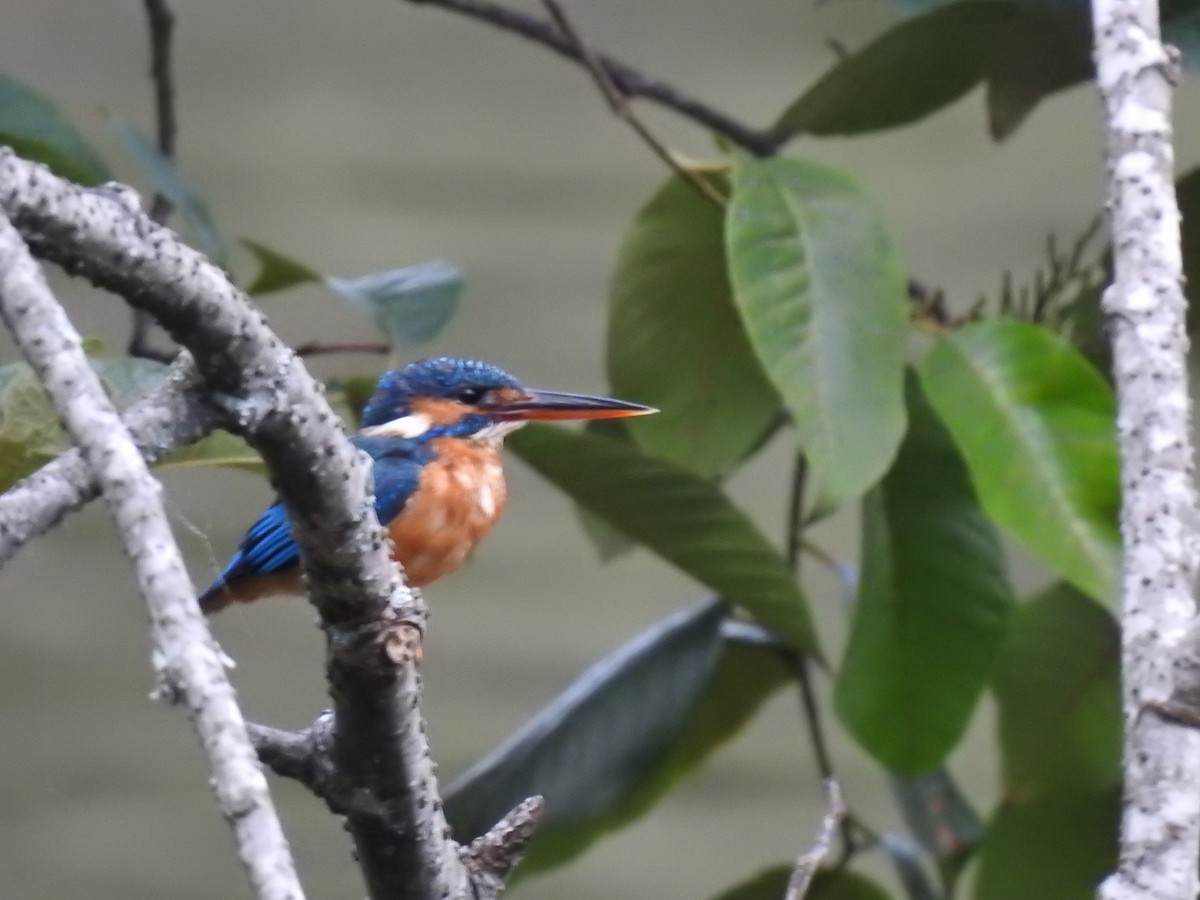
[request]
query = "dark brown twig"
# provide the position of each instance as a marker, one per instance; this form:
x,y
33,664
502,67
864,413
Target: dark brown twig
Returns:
x,y
161,22
629,81
321,348
618,102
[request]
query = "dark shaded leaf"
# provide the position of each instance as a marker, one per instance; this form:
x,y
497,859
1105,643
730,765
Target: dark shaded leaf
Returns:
x,y
277,272
1057,684
772,883
1187,192
1058,847
822,292
933,604
410,304
33,126
167,180
942,819
621,735
1034,422
684,519
675,340
769,884
914,69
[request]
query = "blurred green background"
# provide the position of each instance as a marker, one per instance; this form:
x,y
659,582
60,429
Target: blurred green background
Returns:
x,y
363,136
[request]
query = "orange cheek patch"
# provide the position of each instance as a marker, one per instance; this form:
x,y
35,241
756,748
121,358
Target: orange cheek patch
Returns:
x,y
440,412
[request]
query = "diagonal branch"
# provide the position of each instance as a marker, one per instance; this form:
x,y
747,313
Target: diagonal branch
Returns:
x,y
372,622
172,415
628,80
189,663
810,860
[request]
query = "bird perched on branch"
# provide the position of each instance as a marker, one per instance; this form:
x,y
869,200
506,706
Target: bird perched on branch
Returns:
x,y
434,430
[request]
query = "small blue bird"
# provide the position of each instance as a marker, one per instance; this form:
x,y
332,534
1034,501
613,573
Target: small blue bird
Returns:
x,y
434,430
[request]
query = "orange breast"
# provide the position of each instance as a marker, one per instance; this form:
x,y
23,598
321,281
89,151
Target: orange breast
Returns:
x,y
460,497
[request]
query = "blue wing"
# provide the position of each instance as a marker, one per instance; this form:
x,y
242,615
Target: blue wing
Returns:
x,y
268,547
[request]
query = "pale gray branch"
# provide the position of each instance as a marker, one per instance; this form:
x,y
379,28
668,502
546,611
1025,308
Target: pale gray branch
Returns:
x,y
371,620
188,661
807,863
172,415
1160,826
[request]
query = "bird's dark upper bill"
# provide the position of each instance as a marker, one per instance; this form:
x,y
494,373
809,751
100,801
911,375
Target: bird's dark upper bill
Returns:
x,y
553,405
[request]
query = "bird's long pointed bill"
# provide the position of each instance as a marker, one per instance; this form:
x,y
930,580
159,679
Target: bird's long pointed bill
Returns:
x,y
552,405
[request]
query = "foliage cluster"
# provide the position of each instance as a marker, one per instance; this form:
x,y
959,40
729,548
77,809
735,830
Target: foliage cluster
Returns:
x,y
786,308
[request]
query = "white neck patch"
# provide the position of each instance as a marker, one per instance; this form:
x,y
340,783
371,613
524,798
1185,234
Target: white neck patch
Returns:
x,y
411,426
493,435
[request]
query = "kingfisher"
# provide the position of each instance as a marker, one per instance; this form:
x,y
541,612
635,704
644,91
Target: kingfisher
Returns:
x,y
433,429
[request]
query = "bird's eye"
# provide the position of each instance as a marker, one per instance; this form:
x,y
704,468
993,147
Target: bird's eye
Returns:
x,y
471,395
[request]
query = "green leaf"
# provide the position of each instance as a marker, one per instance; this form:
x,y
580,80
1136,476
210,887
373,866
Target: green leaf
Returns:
x,y
675,340
912,70
683,518
217,449
933,604
166,179
1057,683
821,290
410,304
33,126
1059,847
609,543
942,819
276,272
621,735
771,884
1034,421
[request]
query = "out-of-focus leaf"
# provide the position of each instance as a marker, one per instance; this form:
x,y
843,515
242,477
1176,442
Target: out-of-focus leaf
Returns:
x,y
675,340
1058,847
929,61
33,126
167,180
621,735
942,819
277,272
909,867
1035,55
1057,683
821,290
933,604
914,69
352,393
217,449
1034,422
684,519
128,378
410,304
609,543
772,883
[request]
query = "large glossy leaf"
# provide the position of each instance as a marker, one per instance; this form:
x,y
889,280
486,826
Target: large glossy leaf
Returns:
x,y
821,290
1059,847
1034,421
914,69
1057,684
933,604
771,884
277,272
411,304
621,735
675,340
681,517
35,129
167,180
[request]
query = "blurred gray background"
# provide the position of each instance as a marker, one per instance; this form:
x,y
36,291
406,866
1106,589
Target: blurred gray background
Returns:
x,y
373,134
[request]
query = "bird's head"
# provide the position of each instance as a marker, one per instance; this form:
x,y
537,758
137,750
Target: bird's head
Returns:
x,y
466,398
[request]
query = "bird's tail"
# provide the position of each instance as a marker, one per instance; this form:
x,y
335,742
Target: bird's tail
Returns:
x,y
215,597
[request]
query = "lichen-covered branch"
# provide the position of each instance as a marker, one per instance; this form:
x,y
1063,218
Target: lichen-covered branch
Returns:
x,y
808,862
371,620
1160,826
172,415
188,661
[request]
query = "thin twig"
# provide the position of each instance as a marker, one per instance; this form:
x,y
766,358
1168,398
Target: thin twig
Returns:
x,y
189,662
321,348
161,23
629,81
618,102
810,860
